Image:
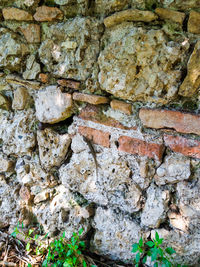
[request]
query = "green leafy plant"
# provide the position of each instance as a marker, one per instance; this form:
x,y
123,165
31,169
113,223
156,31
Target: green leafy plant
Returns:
x,y
153,249
66,254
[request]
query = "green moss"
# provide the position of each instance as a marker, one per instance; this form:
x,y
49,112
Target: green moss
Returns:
x,y
151,4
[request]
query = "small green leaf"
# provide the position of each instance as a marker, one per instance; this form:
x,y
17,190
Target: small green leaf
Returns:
x,y
29,265
160,241
69,252
85,264
157,236
150,244
135,247
22,225
155,264
63,235
141,242
30,231
137,265
144,259
80,231
82,244
137,258
170,250
28,246
74,260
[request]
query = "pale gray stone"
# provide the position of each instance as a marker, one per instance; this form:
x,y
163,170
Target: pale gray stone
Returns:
x,y
175,168
53,147
155,208
52,105
114,234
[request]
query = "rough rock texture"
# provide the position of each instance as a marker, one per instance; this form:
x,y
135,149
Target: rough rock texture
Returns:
x,y
17,132
114,234
16,14
52,147
137,64
71,48
20,99
52,105
109,185
12,50
192,80
175,169
63,213
105,7
154,212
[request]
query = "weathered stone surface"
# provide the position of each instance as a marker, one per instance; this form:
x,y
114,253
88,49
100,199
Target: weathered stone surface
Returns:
x,y
137,64
95,114
75,63
16,80
192,80
46,13
193,22
52,147
122,106
69,84
129,15
43,77
172,15
31,33
4,102
32,68
52,105
174,169
6,164
155,208
140,147
107,7
43,196
91,99
20,99
181,5
95,136
12,50
114,234
181,122
63,213
25,194
12,13
187,147
178,222
16,132
110,185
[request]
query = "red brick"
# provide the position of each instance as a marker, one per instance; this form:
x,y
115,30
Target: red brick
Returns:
x,y
96,136
95,114
181,122
69,83
141,148
187,147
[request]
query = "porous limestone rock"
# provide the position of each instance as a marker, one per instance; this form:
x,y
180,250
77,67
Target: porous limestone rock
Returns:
x,y
12,50
114,234
53,147
6,164
179,4
17,132
52,105
175,168
192,81
32,68
20,99
139,64
30,173
109,185
155,208
4,102
70,48
106,7
63,213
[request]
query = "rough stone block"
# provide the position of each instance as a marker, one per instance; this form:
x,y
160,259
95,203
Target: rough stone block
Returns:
x,y
69,84
194,22
20,98
46,13
129,15
31,33
172,15
12,13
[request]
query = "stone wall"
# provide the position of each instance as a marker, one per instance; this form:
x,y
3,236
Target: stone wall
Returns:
x,y
118,78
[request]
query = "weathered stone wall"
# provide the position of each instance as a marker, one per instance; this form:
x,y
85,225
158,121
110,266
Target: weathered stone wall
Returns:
x,y
125,75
